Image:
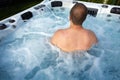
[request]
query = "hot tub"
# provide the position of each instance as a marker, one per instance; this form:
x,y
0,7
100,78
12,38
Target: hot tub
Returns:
x,y
27,54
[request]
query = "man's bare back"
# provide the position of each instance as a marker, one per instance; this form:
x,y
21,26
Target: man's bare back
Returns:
x,y
70,40
75,37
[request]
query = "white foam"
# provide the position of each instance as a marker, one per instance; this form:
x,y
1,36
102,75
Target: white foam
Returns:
x,y
29,49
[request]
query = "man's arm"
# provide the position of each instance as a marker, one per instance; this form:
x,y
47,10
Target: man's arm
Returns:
x,y
94,38
55,38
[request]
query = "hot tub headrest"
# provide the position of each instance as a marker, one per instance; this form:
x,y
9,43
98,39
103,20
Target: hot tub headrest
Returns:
x,y
115,10
92,11
27,15
56,4
104,6
3,26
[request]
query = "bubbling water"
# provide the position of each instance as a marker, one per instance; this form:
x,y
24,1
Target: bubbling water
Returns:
x,y
27,54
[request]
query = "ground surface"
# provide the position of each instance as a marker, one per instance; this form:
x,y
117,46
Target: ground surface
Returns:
x,y
13,8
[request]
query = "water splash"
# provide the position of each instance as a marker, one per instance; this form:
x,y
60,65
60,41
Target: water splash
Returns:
x,y
28,55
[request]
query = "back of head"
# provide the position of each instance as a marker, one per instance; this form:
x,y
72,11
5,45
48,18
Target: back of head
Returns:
x,y
78,13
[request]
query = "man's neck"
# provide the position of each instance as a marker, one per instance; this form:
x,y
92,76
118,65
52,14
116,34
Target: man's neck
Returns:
x,y
76,27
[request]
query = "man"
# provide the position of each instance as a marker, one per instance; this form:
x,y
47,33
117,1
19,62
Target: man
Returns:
x,y
75,37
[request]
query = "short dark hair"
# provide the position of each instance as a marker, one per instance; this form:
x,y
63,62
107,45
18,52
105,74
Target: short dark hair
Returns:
x,y
78,13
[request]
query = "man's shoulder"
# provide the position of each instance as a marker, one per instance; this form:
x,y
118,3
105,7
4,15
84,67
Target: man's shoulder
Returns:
x,y
93,36
58,37
59,32
89,32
